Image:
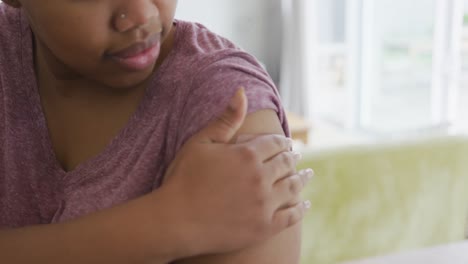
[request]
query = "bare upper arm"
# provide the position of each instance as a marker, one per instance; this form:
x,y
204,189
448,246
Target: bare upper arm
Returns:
x,y
280,249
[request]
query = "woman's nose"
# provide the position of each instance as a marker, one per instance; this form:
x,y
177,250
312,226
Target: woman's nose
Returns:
x,y
134,14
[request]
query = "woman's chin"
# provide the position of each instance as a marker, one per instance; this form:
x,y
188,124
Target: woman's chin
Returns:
x,y
129,80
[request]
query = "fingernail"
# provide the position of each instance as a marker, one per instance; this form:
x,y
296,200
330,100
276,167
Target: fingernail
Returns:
x,y
307,204
297,155
308,174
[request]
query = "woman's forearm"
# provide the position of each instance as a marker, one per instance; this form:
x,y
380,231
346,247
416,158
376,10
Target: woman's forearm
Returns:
x,y
139,231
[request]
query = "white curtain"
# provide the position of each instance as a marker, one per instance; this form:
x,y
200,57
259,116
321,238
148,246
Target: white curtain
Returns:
x,y
298,44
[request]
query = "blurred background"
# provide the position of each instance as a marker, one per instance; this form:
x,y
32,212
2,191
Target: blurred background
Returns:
x,y
355,70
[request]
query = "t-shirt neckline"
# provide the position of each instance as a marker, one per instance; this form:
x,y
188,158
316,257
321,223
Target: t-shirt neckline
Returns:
x,y
112,148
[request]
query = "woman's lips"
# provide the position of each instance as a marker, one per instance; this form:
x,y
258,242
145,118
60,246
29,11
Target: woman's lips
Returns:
x,y
139,56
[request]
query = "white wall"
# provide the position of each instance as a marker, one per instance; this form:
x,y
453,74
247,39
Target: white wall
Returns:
x,y
254,25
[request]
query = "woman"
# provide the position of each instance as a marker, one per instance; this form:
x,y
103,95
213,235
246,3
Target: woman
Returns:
x,y
97,98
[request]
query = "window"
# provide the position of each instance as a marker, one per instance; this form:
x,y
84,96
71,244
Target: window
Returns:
x,y
463,97
332,62
391,66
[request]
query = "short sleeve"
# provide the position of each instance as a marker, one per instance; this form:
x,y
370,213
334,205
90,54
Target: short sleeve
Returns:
x,y
216,83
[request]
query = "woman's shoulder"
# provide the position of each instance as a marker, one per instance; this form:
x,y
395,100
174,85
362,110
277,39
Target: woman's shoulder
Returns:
x,y
200,50
213,69
197,44
198,38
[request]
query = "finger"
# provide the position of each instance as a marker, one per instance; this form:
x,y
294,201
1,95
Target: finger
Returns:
x,y
224,127
306,175
294,184
287,217
288,189
246,137
268,146
281,166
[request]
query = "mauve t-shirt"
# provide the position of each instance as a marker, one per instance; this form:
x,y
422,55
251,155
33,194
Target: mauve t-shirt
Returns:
x,y
193,85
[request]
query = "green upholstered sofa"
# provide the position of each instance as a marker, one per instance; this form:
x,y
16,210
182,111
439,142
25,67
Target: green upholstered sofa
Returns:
x,y
379,199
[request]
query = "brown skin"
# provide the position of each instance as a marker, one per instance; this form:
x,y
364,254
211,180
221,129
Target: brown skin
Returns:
x,y
93,29
87,97
280,249
82,88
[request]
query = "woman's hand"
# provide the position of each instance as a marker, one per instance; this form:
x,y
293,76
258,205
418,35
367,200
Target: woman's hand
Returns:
x,y
229,196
